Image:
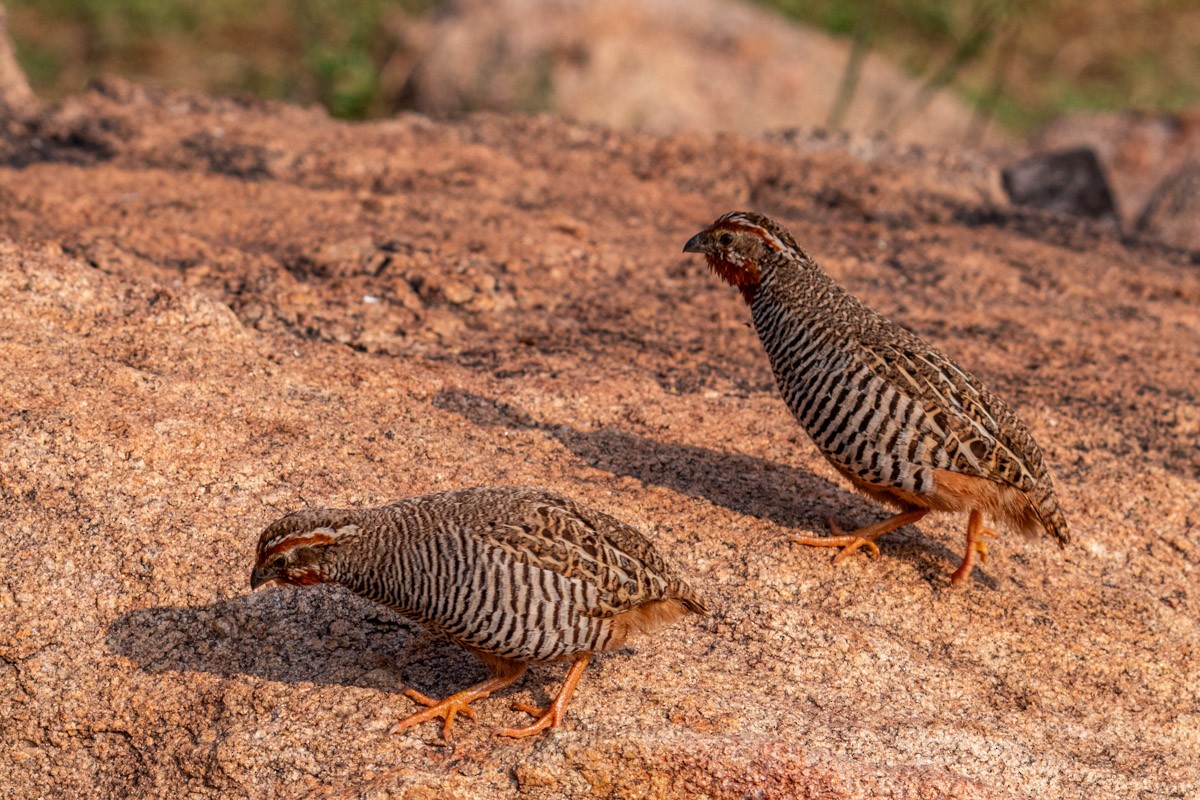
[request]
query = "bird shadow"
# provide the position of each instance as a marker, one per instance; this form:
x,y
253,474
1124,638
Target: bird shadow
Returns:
x,y
322,635
789,497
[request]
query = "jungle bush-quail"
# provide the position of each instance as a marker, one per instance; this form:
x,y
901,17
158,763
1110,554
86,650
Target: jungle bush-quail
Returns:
x,y
900,420
513,575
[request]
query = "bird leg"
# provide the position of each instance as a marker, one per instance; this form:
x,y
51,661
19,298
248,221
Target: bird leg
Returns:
x,y
975,544
551,716
503,674
863,537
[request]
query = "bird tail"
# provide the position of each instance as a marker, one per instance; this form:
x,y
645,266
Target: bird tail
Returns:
x,y
1050,513
687,597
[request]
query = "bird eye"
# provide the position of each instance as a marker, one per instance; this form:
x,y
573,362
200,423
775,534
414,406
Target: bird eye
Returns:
x,y
725,239
276,562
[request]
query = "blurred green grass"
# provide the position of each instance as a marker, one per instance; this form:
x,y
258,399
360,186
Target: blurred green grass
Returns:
x,y
324,51
1018,61
1023,62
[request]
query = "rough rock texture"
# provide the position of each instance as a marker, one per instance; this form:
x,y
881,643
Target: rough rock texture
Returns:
x,y
215,312
1173,213
662,66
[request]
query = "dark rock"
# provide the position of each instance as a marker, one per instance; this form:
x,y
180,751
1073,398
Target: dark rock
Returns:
x,y
1173,213
1065,182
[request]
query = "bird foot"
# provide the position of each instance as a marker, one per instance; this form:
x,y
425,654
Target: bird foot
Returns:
x,y
849,542
549,717
981,546
975,544
446,709
863,537
552,715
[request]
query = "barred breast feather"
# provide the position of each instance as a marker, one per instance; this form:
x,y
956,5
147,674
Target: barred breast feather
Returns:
x,y
518,573
902,422
888,408
512,574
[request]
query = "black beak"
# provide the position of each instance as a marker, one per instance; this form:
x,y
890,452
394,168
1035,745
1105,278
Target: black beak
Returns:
x,y
258,577
694,245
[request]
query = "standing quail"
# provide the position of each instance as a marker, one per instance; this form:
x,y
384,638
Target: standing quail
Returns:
x,y
900,420
512,575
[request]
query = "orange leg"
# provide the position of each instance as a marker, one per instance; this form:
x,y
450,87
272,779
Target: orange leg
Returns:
x,y
552,716
863,537
504,673
975,544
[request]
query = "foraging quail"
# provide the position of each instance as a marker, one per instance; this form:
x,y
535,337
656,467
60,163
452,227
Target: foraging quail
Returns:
x,y
512,575
901,421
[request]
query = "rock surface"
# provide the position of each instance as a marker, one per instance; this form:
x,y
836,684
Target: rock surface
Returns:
x,y
16,98
662,66
216,312
1173,213
1140,150
1062,182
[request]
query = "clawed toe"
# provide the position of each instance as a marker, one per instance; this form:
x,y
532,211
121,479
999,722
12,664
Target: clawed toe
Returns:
x,y
533,711
849,543
975,544
552,715
864,537
446,709
428,701
853,547
455,704
547,720
981,546
842,542
549,717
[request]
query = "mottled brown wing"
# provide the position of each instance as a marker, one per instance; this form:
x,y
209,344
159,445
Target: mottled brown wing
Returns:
x,y
982,436
557,534
980,433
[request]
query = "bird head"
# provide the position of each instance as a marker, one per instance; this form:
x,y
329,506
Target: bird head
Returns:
x,y
740,247
296,549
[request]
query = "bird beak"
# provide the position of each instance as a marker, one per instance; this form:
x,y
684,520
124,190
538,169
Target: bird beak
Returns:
x,y
258,577
694,244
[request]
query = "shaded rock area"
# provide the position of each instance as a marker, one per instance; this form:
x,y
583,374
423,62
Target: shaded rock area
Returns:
x,y
219,311
662,66
1064,182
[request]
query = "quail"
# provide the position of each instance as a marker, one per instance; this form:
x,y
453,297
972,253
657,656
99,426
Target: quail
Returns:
x,y
901,421
511,574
